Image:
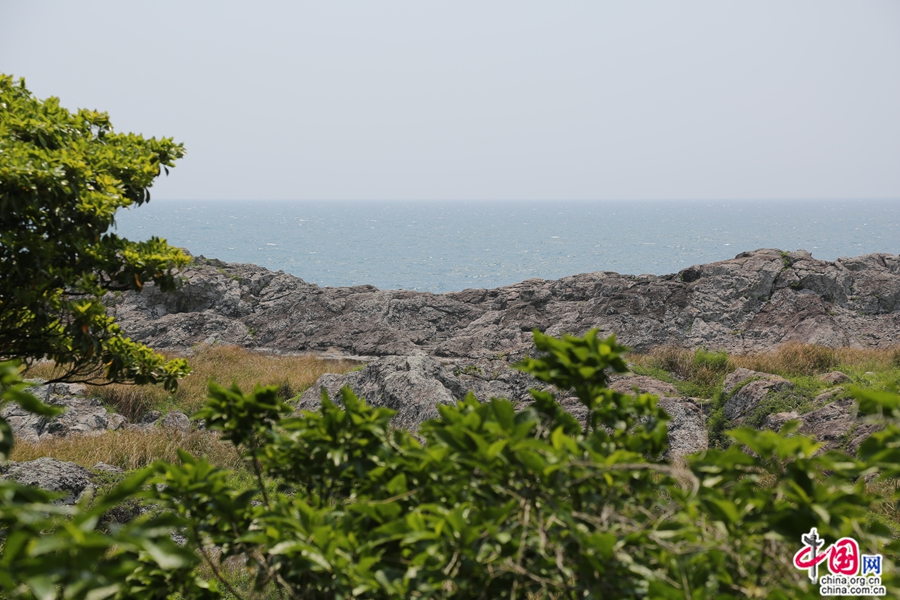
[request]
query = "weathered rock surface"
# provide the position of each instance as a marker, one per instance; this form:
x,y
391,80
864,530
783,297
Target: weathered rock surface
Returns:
x,y
687,429
834,377
177,421
752,302
426,349
776,421
82,415
749,388
415,385
835,425
53,476
644,385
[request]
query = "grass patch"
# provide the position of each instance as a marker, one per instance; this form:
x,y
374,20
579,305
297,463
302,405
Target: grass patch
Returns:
x,y
224,365
795,359
799,398
695,373
131,449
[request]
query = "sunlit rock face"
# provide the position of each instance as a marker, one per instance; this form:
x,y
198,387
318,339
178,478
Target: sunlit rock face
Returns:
x,y
752,302
424,349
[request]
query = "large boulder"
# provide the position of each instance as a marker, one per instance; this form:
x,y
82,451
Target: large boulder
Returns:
x,y
415,385
687,428
748,389
52,475
82,415
644,385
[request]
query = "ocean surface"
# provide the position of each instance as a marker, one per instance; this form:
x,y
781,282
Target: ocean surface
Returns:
x,y
445,246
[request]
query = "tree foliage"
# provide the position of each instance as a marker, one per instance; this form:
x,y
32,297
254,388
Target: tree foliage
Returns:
x,y
63,176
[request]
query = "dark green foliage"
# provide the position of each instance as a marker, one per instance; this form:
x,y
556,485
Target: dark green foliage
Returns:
x,y
54,551
62,178
486,502
500,504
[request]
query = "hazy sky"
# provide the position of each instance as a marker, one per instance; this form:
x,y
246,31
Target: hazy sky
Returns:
x,y
485,100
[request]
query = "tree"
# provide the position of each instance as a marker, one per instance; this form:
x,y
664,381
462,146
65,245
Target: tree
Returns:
x,y
63,176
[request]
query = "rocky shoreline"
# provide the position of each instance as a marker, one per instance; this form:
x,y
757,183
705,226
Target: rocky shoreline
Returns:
x,y
424,349
752,302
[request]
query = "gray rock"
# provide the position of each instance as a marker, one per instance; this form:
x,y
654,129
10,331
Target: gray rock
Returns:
x,y
644,385
81,415
826,397
752,302
53,476
687,429
739,376
834,378
116,421
776,421
830,423
150,417
176,421
754,387
415,385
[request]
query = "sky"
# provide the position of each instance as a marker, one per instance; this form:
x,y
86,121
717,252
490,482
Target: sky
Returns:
x,y
485,100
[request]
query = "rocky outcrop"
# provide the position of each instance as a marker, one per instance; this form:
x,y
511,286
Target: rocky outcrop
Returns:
x,y
687,428
428,349
752,302
644,385
81,415
834,377
415,385
66,478
747,389
836,425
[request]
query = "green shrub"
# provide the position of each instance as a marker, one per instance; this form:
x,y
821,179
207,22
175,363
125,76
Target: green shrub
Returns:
x,y
715,362
494,504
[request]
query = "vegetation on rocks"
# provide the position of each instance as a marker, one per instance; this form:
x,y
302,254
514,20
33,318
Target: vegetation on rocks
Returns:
x,y
494,503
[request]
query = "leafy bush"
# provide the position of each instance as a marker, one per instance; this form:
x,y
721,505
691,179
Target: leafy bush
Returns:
x,y
531,504
54,551
494,503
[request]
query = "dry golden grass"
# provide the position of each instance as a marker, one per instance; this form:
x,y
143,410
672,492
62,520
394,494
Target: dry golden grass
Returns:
x,y
224,365
704,368
789,359
793,359
131,449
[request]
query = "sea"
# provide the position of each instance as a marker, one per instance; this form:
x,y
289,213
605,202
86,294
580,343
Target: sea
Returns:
x,y
441,246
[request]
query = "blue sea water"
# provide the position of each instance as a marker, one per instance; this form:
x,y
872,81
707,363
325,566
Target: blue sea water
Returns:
x,y
445,246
